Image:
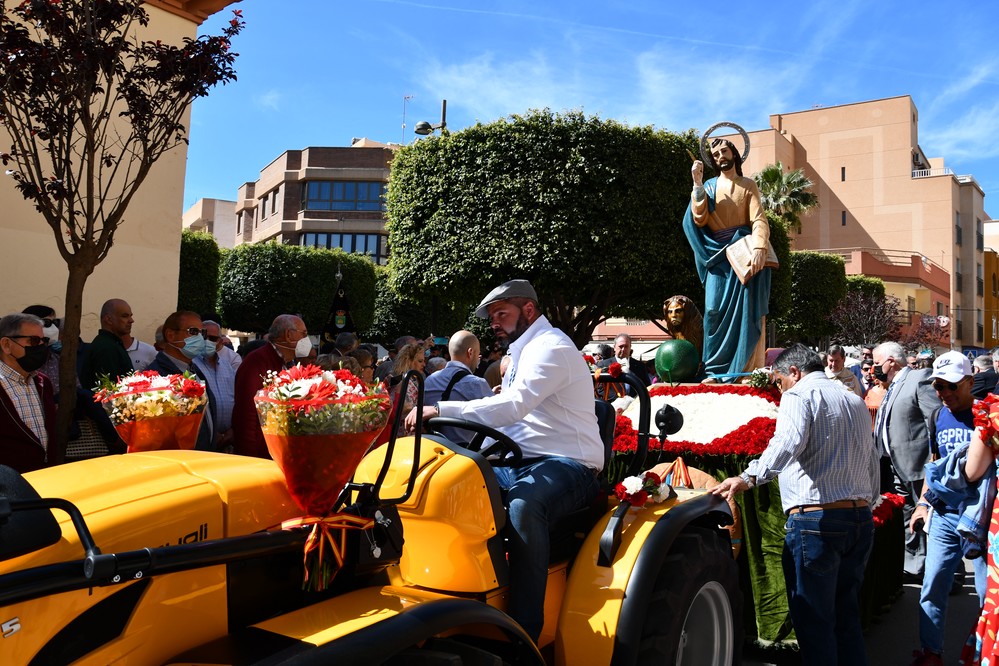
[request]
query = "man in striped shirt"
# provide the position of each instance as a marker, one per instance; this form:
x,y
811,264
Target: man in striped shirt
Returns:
x,y
27,408
828,467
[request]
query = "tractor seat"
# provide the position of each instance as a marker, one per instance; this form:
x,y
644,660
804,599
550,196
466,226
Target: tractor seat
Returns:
x,y
568,533
24,531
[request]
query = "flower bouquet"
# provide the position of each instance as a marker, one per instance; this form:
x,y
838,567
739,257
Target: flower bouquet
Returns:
x,y
637,490
986,413
152,412
318,425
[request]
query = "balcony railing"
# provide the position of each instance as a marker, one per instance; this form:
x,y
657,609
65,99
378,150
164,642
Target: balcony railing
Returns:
x,y
926,173
889,257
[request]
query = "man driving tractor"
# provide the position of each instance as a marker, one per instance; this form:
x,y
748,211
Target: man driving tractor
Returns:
x,y
546,406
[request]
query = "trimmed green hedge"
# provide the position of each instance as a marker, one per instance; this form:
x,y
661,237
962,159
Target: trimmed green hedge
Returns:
x,y
198,284
263,280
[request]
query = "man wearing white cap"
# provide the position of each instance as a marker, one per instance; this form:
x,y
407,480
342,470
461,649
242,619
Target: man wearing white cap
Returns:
x,y
546,406
950,429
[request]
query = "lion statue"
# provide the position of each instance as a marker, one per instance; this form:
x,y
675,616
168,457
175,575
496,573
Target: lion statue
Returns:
x,y
684,321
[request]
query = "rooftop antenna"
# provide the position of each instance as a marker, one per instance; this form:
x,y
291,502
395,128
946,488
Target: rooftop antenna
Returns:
x,y
405,101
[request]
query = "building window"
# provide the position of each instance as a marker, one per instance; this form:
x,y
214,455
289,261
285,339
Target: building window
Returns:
x,y
842,174
239,223
274,200
373,245
957,228
979,235
957,275
343,195
940,309
843,219
979,280
979,327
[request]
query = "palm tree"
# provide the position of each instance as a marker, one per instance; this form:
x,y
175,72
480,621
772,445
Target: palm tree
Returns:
x,y
786,195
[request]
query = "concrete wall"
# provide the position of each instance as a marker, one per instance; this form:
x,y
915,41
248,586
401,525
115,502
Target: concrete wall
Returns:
x,y
142,266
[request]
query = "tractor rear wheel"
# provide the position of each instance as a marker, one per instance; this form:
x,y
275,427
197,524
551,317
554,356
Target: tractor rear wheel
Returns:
x,y
694,617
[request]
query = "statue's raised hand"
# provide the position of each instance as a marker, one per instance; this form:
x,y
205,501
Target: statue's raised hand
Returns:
x,y
697,172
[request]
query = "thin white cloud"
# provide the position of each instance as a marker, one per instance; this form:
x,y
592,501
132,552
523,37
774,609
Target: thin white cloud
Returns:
x,y
270,100
965,137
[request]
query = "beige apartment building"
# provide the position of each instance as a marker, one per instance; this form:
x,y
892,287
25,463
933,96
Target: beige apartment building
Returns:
x,y
888,209
320,197
214,216
142,267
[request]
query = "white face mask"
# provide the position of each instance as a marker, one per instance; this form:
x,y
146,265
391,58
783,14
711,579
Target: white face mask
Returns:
x,y
52,333
303,347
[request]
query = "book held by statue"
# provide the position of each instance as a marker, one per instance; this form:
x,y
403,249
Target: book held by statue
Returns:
x,y
740,256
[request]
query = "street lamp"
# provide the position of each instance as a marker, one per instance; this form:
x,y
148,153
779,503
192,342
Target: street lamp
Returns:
x,y
423,128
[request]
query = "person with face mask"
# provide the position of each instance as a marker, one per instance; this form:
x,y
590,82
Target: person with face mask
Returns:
x,y
902,433
288,339
50,329
221,376
27,405
183,342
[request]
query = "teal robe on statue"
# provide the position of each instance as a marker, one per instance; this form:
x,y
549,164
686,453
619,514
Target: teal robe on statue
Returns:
x,y
732,312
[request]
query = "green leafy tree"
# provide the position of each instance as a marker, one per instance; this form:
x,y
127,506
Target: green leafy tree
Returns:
x,y
198,283
818,284
587,209
89,108
871,287
787,195
263,280
780,279
396,316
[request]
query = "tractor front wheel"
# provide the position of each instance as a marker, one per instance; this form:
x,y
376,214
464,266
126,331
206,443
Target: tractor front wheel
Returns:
x,y
694,615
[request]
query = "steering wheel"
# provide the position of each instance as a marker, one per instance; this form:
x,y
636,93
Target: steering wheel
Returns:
x,y
508,451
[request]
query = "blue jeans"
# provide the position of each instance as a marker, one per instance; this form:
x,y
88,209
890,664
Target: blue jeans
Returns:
x,y
538,494
943,556
825,554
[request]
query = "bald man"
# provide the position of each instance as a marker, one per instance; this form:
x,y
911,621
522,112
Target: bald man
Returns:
x,y
456,380
107,355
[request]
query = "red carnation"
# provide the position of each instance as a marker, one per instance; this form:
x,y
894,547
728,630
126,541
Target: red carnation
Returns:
x,y
614,369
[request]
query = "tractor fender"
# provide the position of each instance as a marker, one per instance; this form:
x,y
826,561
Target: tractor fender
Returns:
x,y
380,641
601,617
650,560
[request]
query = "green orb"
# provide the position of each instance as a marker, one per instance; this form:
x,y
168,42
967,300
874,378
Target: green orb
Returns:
x,y
676,361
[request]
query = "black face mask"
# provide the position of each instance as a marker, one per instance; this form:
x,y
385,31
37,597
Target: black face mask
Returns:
x,y
34,358
879,374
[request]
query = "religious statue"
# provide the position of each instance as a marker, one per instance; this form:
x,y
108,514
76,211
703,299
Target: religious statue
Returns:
x,y
684,321
727,228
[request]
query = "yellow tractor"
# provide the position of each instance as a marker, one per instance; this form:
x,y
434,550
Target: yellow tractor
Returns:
x,y
177,557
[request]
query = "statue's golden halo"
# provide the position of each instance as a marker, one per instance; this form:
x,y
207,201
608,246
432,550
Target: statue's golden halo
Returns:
x,y
706,152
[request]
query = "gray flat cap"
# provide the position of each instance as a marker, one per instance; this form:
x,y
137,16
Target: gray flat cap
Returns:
x,y
504,292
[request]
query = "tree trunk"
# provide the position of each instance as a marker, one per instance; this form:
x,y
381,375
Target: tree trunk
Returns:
x,y
70,334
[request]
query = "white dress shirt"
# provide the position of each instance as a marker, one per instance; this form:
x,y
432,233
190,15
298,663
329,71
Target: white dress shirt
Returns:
x,y
546,404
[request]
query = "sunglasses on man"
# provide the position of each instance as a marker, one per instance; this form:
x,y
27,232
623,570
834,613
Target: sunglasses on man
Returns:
x,y
194,330
940,385
33,340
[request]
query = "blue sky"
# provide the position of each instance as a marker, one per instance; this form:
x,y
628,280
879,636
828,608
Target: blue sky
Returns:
x,y
319,72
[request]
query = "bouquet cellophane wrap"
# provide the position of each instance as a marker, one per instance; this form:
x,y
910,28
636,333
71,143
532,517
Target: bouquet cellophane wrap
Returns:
x,y
317,464
160,433
316,467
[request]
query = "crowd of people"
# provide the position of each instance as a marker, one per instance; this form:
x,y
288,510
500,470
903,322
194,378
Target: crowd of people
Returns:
x,y
848,430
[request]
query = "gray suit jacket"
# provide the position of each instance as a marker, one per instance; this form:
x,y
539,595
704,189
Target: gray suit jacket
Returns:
x,y
909,409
